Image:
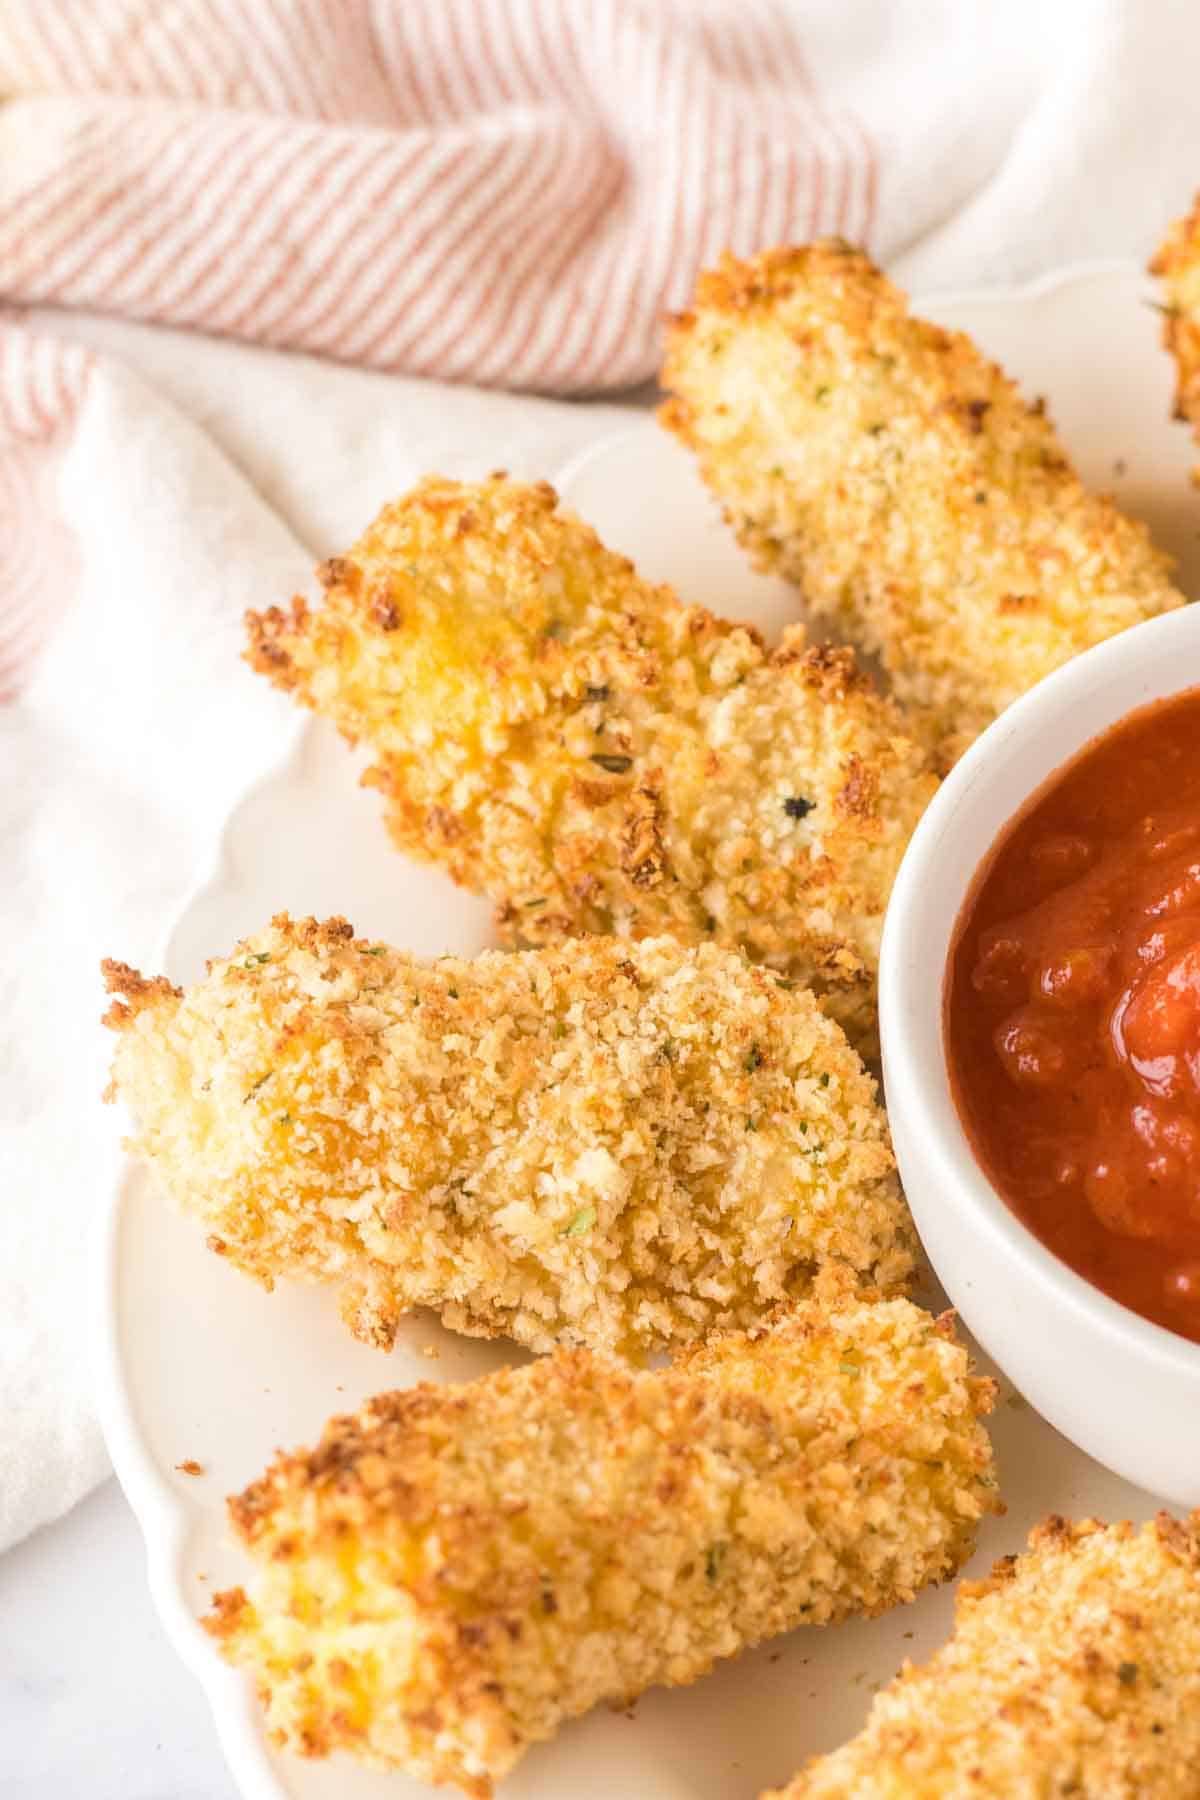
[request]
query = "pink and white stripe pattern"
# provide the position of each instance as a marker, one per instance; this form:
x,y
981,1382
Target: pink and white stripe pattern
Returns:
x,y
504,191
42,384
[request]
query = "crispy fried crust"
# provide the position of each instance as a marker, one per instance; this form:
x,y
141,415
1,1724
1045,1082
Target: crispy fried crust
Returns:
x,y
899,477
455,1571
1178,266
1074,1670
613,1144
138,991
573,742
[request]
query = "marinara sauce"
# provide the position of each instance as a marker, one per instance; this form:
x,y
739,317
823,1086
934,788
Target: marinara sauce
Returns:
x,y
1073,1013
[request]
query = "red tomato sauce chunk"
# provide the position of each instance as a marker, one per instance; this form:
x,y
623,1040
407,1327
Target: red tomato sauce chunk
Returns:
x,y
1072,1013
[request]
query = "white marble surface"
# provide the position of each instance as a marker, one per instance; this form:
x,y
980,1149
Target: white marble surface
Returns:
x,y
94,1703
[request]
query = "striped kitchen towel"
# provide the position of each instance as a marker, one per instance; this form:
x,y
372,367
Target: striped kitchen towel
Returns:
x,y
504,191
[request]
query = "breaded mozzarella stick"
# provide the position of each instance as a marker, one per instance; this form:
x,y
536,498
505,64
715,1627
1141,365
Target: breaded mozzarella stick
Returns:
x,y
612,1144
453,1572
1178,265
1074,1670
901,480
571,741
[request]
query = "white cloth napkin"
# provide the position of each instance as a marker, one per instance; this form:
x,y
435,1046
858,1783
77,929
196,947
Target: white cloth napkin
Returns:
x,y
140,513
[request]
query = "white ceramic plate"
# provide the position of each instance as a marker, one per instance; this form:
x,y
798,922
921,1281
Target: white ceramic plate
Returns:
x,y
196,1363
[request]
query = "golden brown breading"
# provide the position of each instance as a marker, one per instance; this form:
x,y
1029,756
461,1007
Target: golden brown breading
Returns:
x,y
573,742
1178,265
1074,1670
455,1571
612,1144
899,477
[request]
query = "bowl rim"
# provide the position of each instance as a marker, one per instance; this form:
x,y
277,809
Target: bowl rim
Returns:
x,y
922,1088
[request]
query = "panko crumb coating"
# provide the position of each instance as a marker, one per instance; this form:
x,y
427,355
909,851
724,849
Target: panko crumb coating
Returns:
x,y
900,479
596,757
1177,264
1074,1670
455,1571
620,1145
